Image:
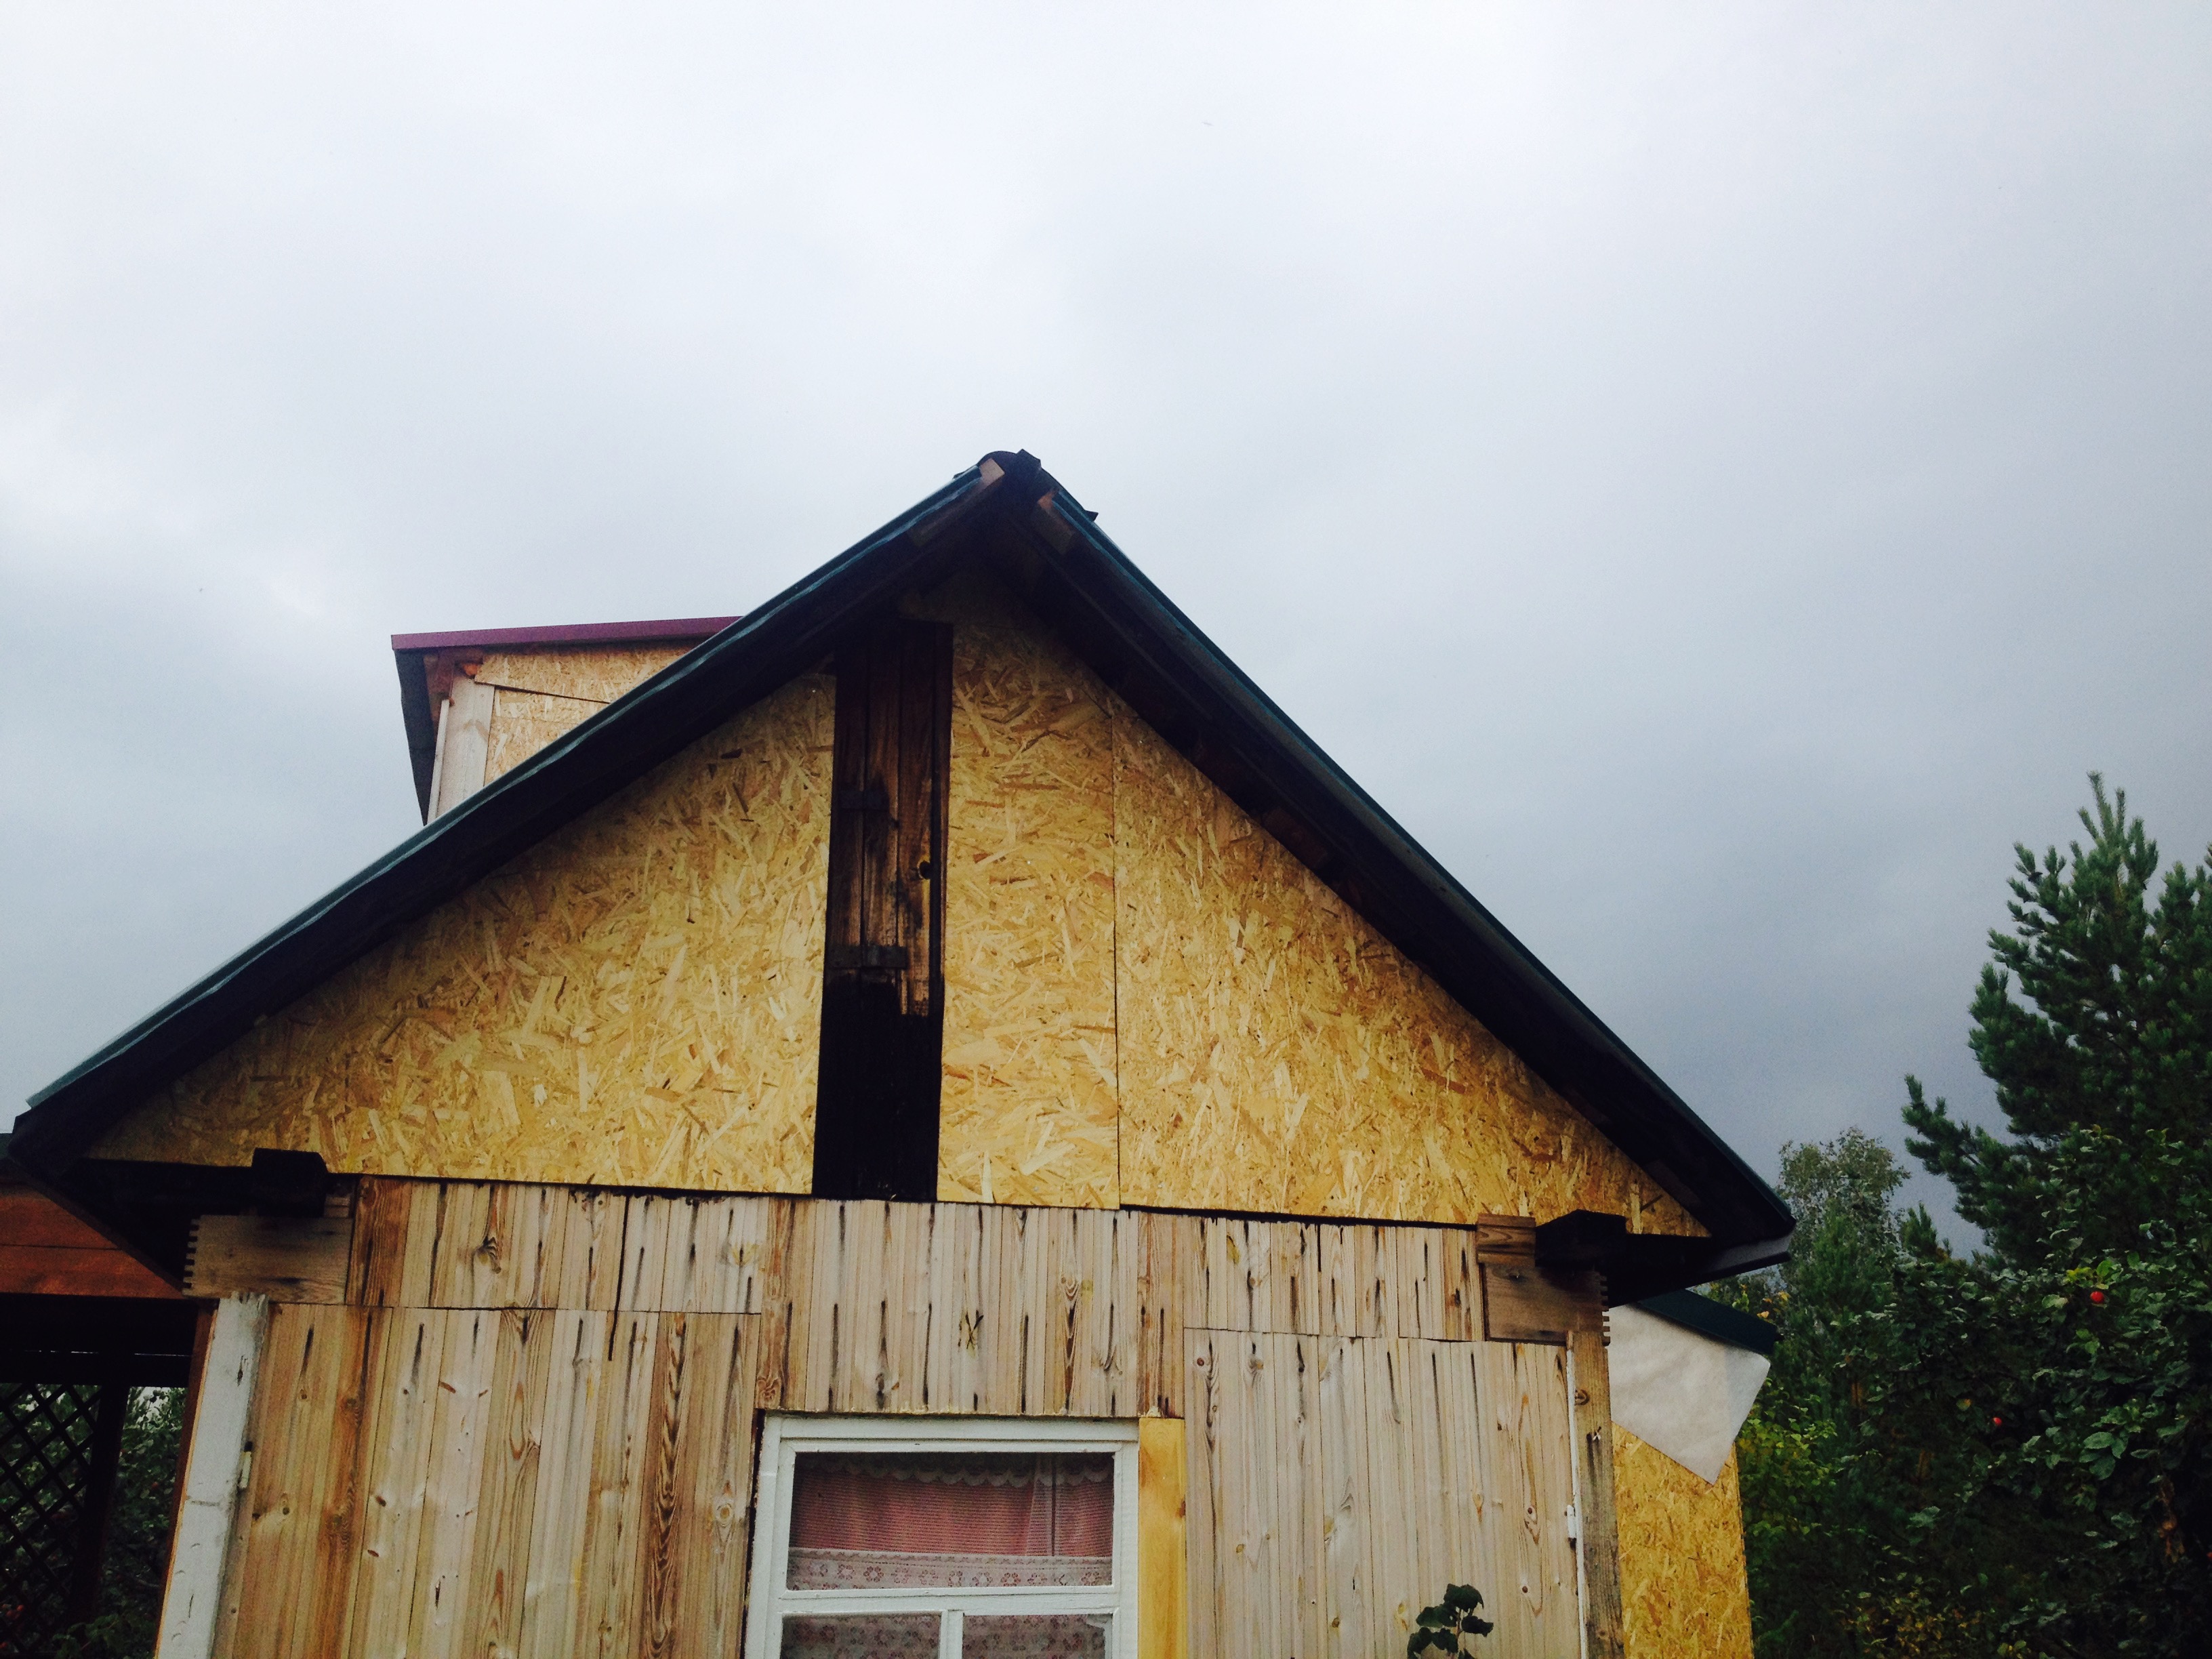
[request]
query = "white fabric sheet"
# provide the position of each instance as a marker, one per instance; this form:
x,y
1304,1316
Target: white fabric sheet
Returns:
x,y
1679,1392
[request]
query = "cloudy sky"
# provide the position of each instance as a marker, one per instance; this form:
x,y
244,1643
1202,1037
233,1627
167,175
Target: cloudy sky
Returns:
x,y
1720,474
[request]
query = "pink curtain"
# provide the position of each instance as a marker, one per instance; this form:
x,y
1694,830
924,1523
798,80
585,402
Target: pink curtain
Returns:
x,y
972,1520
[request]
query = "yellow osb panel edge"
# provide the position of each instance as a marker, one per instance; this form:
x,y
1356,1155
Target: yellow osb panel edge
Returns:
x,y
637,1000
1682,1578
1277,1054
596,673
1029,1113
524,722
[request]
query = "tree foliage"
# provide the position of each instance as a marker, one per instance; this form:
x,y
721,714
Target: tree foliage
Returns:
x,y
2010,1452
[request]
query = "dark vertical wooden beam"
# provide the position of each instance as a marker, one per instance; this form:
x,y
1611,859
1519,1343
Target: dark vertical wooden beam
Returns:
x,y
99,1501
875,1132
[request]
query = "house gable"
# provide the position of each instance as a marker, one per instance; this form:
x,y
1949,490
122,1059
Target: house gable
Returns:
x,y
1139,668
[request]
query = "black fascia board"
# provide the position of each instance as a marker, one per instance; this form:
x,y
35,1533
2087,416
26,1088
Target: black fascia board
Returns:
x,y
1710,1318
1075,574
747,660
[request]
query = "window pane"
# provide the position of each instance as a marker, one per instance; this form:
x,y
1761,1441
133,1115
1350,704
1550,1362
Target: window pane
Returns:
x,y
862,1636
1035,1636
965,1520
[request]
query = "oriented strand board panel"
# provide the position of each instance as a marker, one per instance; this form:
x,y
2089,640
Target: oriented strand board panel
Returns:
x,y
1278,1054
1683,1583
595,673
524,722
636,1000
545,694
1029,1102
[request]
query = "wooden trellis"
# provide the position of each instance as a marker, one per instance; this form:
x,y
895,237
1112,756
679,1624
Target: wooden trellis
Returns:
x,y
59,1443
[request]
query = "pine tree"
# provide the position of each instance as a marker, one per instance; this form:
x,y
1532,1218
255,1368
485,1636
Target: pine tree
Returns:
x,y
2113,1038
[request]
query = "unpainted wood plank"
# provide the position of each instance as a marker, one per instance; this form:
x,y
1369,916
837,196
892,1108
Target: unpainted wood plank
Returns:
x,y
465,1269
1053,1302
575,1362
648,1221
440,1621
1357,1261
953,1379
1206,1543
775,1283
1007,1334
1162,1565
382,1208
399,1431
1392,1563
910,1242
700,1486
1524,1422
1459,1297
1162,1366
284,1258
1346,1499
1296,1361
301,1501
521,1374
614,1525
591,1259
1432,1497
728,1248
1254,1589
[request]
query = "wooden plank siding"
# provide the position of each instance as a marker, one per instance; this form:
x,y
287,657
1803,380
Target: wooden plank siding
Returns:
x,y
530,1430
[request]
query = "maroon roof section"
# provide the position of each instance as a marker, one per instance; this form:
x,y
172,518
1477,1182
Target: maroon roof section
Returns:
x,y
623,633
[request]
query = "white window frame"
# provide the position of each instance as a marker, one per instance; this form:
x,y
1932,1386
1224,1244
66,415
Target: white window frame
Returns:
x,y
784,1436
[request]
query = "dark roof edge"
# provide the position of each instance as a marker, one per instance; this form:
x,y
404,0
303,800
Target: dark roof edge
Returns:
x,y
1358,816
586,764
614,633
1710,1318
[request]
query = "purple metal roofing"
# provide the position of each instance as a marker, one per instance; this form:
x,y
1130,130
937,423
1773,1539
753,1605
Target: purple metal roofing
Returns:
x,y
622,633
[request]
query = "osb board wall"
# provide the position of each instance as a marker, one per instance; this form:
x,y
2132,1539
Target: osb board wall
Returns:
x,y
524,722
1278,1054
1029,1107
595,673
1150,1000
1683,1585
532,1417
636,999
542,693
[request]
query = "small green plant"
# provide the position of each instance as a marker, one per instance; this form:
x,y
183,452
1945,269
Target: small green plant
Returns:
x,y
1451,1625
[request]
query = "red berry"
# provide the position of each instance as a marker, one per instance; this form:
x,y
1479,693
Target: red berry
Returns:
x,y
1997,1422
2096,1295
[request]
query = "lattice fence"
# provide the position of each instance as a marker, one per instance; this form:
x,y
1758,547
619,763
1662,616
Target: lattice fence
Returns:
x,y
52,1490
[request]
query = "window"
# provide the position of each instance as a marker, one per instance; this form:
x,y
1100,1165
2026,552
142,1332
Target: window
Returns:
x,y
968,1538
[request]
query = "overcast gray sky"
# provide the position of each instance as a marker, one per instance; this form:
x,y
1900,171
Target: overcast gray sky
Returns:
x,y
1720,475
